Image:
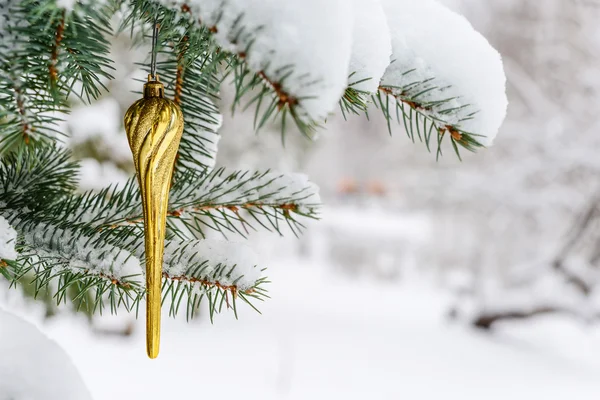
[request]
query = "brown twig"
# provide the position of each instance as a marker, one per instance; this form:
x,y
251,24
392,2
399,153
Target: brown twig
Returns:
x,y
25,126
180,72
456,135
58,37
233,289
287,207
284,97
112,280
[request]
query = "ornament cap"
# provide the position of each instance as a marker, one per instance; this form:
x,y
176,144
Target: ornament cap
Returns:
x,y
154,88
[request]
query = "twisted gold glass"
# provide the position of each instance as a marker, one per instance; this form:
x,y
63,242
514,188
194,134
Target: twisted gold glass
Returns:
x,y
154,126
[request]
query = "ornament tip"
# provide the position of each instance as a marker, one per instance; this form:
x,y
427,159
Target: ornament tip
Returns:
x,y
152,350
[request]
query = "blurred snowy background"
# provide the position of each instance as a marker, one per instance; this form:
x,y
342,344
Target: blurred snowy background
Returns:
x,y
424,279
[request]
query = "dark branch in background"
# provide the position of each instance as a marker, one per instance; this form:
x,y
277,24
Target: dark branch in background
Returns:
x,y
579,229
485,321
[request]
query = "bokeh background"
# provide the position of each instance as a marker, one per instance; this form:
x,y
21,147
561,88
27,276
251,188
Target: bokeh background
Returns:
x,y
423,280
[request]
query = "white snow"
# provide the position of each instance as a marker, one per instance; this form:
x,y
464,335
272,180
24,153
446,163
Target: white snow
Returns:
x,y
101,123
303,45
371,46
82,253
181,258
313,51
496,297
66,4
99,119
34,367
377,224
293,188
94,174
8,239
327,337
441,44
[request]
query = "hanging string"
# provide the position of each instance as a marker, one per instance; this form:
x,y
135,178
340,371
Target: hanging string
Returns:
x,y
153,54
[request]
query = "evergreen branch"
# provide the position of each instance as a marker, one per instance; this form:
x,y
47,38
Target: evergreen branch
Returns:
x,y
232,203
34,178
45,52
414,106
424,110
225,203
60,258
354,101
268,94
180,71
269,98
51,278
42,180
49,274
194,85
86,56
92,244
187,266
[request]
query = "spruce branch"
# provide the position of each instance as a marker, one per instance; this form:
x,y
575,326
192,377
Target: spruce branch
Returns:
x,y
86,50
46,52
59,259
427,113
354,101
268,97
267,92
93,243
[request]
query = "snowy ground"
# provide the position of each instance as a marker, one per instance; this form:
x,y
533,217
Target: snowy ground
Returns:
x,y
332,338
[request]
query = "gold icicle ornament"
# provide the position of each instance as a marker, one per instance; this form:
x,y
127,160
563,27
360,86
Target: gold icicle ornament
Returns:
x,y
154,127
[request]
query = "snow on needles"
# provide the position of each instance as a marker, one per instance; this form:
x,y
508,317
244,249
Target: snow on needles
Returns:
x,y
434,42
266,189
80,253
34,367
311,50
8,239
66,4
371,46
303,46
217,261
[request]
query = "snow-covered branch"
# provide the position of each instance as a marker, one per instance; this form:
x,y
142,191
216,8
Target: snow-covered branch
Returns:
x,y
444,71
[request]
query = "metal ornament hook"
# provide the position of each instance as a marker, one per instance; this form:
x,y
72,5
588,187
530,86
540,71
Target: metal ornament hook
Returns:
x,y
153,50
